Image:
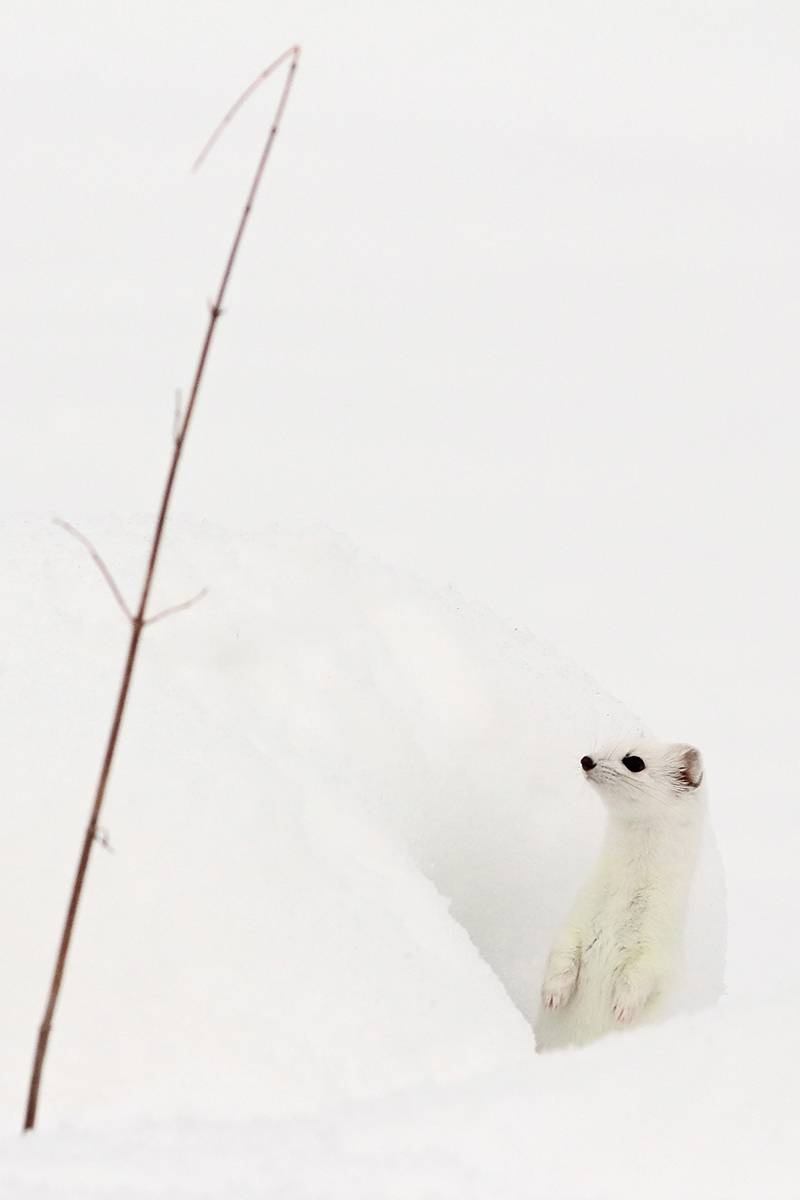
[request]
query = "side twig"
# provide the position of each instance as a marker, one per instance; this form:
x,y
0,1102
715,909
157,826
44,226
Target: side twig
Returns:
x,y
176,608
109,578
138,620
177,419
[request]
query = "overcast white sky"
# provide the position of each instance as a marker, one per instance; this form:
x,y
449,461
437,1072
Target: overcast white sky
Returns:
x,y
517,310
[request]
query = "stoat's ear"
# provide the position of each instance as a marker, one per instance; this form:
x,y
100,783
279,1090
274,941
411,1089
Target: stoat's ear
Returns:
x,y
690,769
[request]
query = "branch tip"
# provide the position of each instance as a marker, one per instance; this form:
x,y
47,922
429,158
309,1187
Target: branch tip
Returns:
x,y
294,53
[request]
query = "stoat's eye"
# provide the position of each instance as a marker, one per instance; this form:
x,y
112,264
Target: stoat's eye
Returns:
x,y
633,762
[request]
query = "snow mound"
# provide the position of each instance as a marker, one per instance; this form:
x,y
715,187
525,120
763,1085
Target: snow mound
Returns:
x,y
702,1106
346,818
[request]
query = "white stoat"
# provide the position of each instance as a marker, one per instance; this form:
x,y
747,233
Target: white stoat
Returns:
x,y
618,955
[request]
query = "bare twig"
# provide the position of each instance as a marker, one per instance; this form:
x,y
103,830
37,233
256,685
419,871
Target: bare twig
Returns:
x,y
292,53
109,578
102,838
138,620
177,419
167,612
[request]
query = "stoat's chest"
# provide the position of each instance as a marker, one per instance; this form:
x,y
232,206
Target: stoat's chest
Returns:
x,y
635,902
616,925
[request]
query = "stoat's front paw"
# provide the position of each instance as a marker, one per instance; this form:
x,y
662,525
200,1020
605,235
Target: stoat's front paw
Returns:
x,y
559,987
632,991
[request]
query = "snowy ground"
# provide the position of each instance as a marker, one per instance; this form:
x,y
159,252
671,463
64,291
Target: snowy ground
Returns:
x,y
331,775
704,1108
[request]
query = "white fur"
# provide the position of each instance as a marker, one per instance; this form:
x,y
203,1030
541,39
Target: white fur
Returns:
x,y
617,959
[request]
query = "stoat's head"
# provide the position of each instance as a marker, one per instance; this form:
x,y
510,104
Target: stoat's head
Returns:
x,y
646,777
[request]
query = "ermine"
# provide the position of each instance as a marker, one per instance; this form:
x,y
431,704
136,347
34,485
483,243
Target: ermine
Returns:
x,y
618,956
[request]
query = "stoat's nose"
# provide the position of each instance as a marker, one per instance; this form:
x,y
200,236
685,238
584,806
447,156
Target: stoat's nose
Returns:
x,y
587,763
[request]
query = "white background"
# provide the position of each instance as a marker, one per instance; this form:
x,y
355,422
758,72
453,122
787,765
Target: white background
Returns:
x,y
517,311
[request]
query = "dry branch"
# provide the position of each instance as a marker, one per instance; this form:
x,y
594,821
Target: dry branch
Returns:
x,y
138,620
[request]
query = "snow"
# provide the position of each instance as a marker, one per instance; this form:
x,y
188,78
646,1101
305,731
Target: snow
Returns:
x,y
347,818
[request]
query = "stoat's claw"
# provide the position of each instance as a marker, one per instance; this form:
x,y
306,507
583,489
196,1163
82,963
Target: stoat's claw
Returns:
x,y
557,990
630,996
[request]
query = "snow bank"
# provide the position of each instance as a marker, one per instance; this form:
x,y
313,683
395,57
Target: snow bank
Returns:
x,y
705,1106
347,817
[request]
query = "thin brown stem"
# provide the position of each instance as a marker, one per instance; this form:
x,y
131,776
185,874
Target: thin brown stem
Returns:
x,y
138,620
